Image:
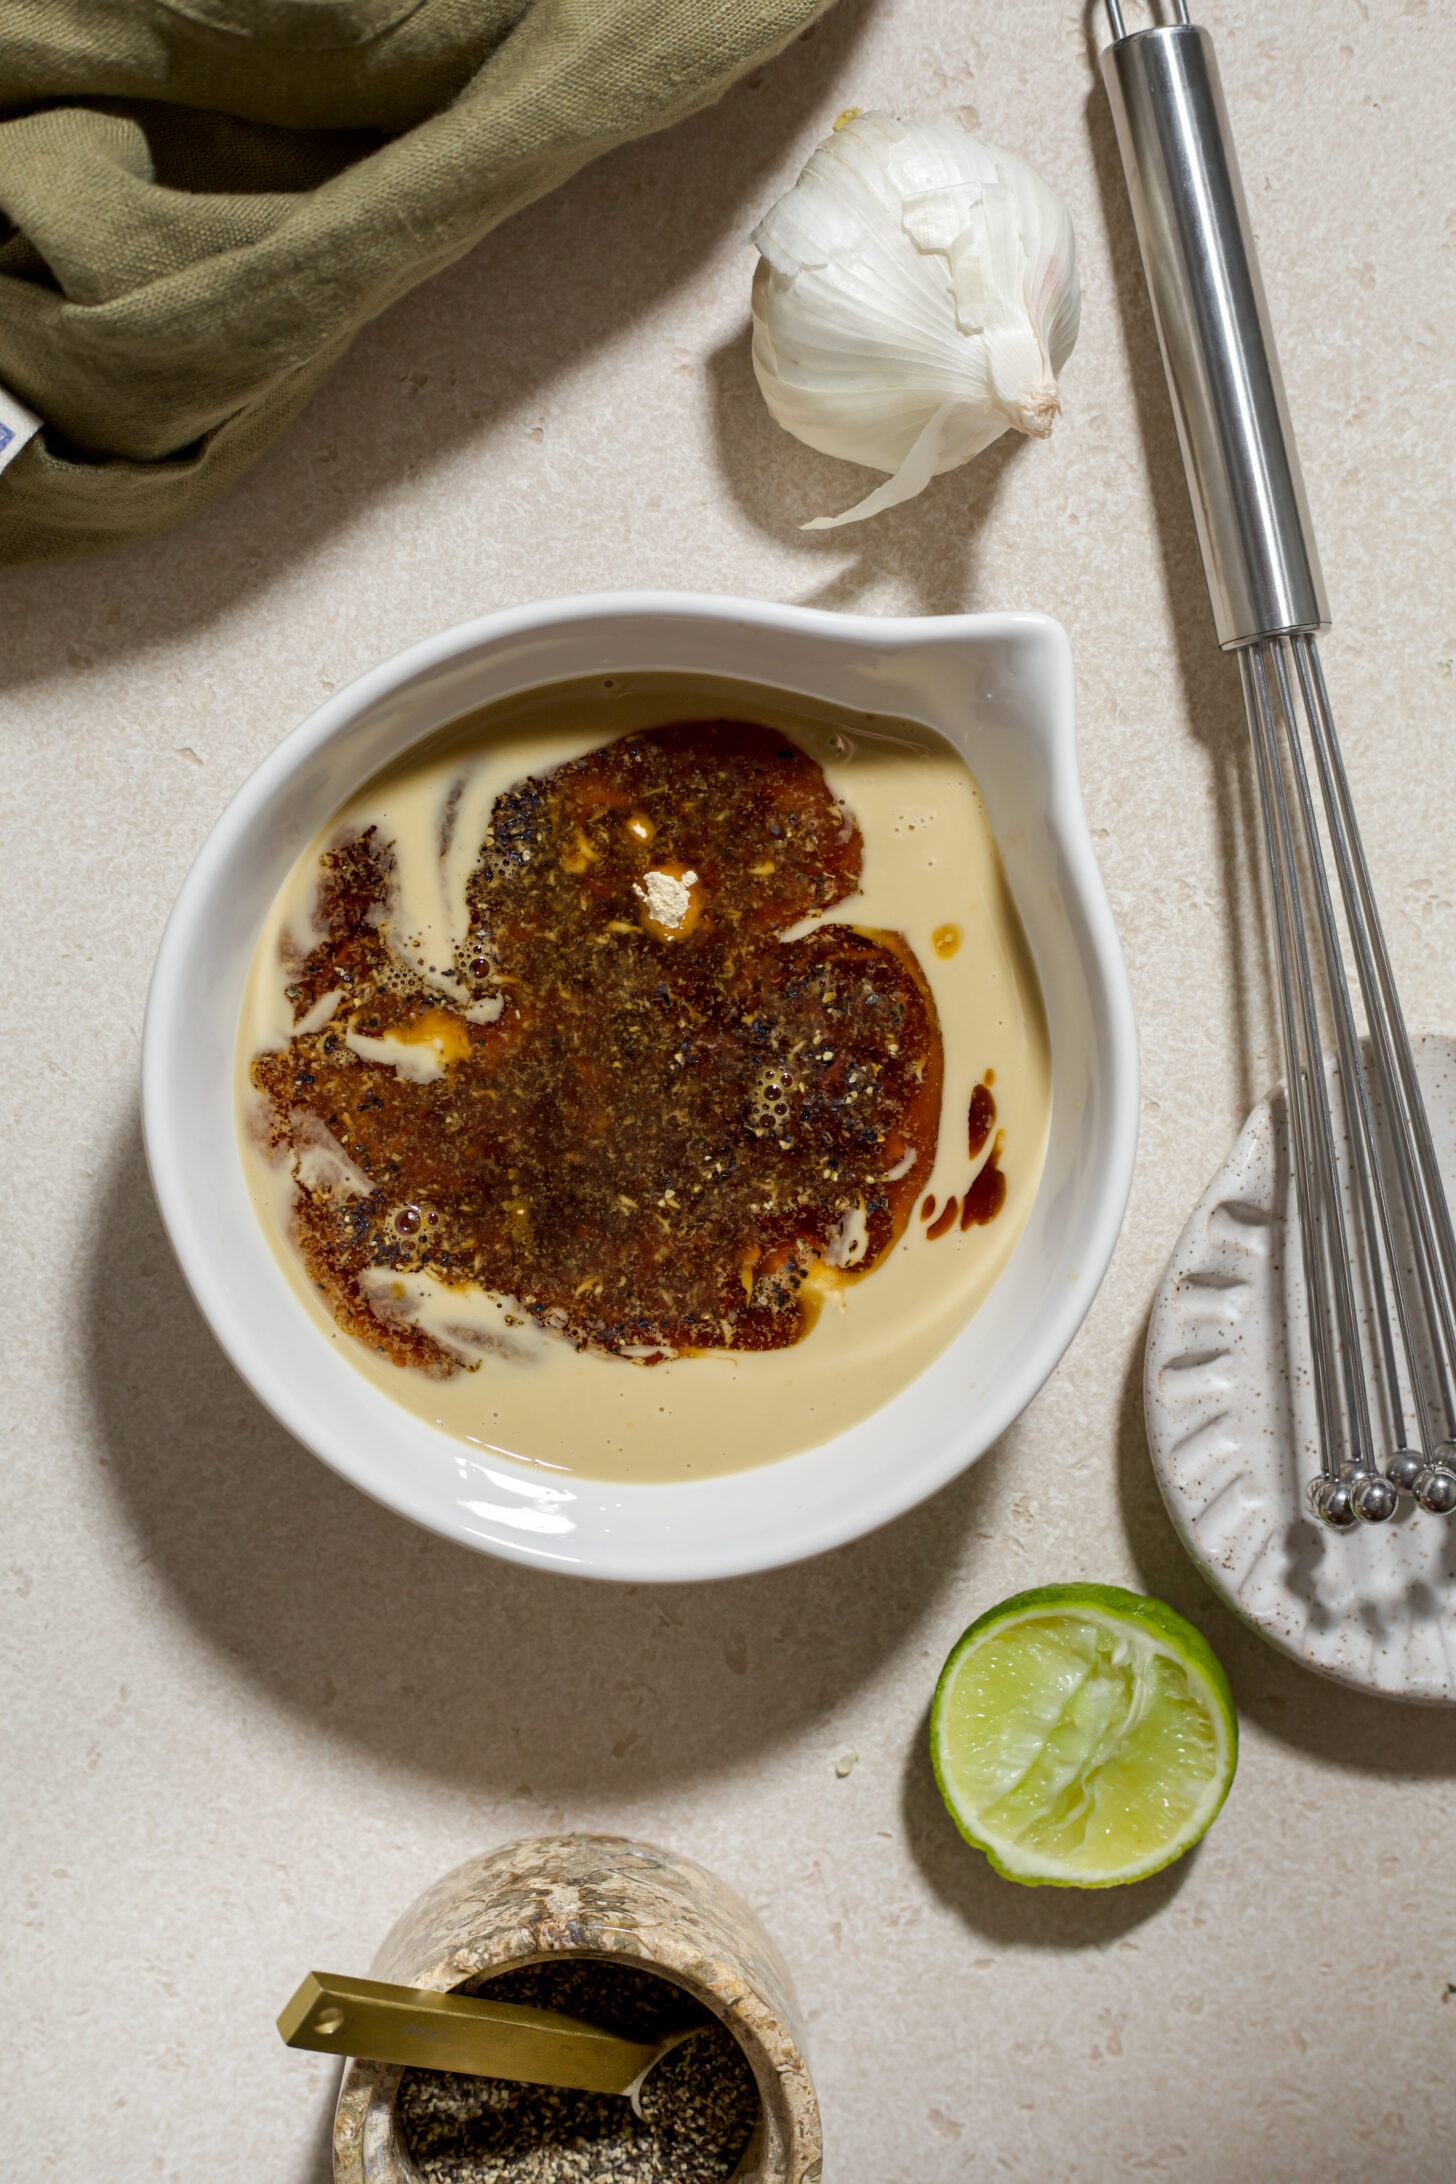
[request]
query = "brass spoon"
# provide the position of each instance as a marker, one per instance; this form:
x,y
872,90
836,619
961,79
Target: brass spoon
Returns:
x,y
382,2023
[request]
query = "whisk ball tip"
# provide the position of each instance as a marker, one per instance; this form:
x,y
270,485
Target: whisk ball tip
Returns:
x,y
1374,1499
1403,1469
1435,1489
1332,1502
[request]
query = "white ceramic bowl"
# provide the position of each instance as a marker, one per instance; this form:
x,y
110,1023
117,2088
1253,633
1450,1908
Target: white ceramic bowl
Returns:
x,y
1000,687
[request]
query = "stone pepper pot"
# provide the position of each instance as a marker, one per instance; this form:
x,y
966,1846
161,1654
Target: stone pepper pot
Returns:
x,y
606,1897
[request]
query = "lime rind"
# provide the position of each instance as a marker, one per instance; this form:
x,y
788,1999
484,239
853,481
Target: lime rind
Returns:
x,y
1094,1749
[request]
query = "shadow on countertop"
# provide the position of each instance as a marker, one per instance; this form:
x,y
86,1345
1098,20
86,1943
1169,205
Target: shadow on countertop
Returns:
x,y
316,2165
778,483
1003,1911
466,1669
476,345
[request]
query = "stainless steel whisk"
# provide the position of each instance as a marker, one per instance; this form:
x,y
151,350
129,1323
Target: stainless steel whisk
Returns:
x,y
1374,1224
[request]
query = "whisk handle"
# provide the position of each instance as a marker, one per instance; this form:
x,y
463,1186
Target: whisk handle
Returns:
x,y
1213,324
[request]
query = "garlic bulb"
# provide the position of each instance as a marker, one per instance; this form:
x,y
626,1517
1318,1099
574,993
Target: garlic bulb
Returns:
x,y
916,295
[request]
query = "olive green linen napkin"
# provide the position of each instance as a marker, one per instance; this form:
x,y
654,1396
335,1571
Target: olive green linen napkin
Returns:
x,y
205,201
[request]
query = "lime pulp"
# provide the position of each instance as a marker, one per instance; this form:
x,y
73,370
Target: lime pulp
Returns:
x,y
1083,1736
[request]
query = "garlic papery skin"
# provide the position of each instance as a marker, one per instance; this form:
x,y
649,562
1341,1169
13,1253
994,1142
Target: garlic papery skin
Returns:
x,y
916,297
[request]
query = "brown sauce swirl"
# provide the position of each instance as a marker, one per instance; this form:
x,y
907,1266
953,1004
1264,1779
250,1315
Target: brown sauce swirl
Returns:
x,y
986,1193
675,1116
980,1119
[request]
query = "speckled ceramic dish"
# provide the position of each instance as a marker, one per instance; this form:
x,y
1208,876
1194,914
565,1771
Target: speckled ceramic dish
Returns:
x,y
1231,1426
1000,688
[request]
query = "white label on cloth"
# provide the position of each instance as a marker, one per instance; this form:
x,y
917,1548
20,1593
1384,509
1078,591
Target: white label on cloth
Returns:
x,y
17,425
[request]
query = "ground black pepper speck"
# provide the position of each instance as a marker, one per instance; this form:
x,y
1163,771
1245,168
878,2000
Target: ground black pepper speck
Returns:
x,y
699,2105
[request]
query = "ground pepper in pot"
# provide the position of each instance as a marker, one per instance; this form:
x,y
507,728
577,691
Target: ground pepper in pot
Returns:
x,y
699,2106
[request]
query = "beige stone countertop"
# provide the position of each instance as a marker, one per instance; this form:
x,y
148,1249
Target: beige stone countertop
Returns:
x,y
232,1753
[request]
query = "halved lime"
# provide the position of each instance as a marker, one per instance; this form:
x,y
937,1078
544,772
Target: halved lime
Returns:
x,y
1083,1736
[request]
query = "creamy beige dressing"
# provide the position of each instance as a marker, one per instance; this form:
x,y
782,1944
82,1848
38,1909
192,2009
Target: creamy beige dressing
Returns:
x,y
931,871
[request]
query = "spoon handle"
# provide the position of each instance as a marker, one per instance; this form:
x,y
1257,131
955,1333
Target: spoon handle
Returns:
x,y
383,2023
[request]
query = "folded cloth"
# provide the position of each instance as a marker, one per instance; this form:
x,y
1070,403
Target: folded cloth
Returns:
x,y
205,200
